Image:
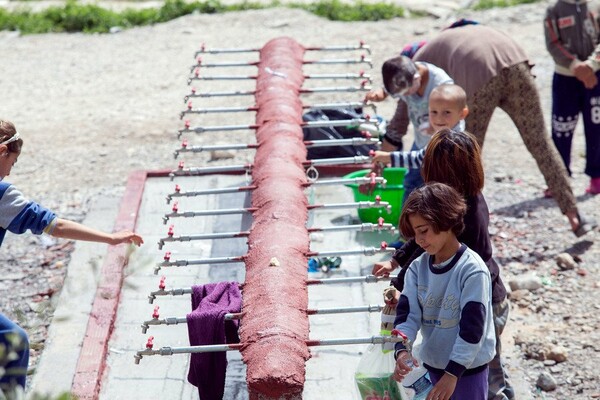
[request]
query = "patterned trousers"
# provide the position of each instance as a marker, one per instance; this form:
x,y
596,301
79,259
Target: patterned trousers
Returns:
x,y
514,91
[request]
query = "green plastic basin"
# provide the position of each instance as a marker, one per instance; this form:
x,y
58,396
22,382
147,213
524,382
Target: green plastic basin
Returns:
x,y
393,193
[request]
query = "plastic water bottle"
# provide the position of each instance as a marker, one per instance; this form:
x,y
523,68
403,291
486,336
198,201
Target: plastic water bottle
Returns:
x,y
417,383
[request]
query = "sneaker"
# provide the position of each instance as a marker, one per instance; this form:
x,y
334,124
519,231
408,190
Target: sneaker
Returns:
x,y
594,187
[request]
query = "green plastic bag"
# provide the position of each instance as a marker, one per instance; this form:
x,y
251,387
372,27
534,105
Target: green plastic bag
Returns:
x,y
374,375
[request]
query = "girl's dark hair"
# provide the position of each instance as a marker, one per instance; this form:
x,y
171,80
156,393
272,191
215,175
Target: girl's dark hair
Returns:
x,y
454,158
8,130
398,69
438,204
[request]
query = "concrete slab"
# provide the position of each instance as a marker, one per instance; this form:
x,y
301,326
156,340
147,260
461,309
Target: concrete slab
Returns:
x,y
330,369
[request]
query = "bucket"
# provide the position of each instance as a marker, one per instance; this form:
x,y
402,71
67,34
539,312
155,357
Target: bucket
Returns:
x,y
393,193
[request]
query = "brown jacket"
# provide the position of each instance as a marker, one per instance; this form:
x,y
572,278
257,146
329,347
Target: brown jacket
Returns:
x,y
471,55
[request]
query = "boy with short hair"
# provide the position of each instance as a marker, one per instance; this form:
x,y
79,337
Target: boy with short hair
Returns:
x,y
447,109
410,83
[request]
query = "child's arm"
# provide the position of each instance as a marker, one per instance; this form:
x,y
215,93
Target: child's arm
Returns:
x,y
561,55
408,159
376,95
384,268
474,334
408,310
396,128
383,157
63,228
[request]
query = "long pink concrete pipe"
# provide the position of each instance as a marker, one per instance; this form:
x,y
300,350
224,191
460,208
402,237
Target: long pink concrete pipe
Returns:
x,y
275,325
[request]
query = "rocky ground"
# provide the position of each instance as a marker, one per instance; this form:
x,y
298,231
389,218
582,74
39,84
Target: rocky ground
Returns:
x,y
92,108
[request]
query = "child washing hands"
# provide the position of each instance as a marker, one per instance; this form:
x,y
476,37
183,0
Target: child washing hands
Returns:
x,y
447,109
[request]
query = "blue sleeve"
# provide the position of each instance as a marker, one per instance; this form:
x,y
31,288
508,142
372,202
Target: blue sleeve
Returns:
x,y
408,310
19,214
475,296
408,159
33,217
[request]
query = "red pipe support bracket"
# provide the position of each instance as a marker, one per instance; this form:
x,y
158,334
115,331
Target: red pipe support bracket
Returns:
x,y
276,327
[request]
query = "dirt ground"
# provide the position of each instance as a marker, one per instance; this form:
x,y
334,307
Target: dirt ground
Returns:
x,y
93,108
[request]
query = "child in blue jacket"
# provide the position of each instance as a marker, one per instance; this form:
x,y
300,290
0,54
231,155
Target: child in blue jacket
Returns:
x,y
17,215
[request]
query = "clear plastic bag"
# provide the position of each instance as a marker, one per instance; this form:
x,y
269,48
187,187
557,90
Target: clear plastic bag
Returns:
x,y
374,375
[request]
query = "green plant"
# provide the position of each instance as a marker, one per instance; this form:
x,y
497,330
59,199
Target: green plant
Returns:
x,y
336,10
487,4
91,18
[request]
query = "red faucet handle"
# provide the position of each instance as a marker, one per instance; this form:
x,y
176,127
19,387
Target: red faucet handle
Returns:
x,y
189,105
373,175
199,60
171,230
364,83
150,342
155,314
186,124
161,284
180,165
167,256
184,143
361,72
368,117
397,332
175,207
361,43
380,221
378,199
177,188
193,90
371,153
197,71
202,46
366,134
384,245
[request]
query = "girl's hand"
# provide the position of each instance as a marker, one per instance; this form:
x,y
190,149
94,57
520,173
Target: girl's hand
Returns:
x,y
402,368
126,237
444,388
383,268
375,95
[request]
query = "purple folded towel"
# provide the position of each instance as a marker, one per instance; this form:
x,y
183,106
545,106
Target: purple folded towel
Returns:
x,y
206,325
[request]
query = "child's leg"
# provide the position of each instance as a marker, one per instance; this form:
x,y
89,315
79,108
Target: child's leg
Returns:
x,y
591,123
14,355
567,99
472,387
499,385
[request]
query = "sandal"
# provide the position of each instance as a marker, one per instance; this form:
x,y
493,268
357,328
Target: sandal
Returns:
x,y
594,187
585,226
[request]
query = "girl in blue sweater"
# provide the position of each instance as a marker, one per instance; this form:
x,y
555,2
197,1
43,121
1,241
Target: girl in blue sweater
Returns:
x,y
446,296
17,215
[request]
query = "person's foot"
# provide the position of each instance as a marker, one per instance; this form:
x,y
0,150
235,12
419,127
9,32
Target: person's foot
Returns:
x,y
585,226
594,187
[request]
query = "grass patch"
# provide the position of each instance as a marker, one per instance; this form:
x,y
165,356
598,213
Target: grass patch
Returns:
x,y
487,4
335,10
91,18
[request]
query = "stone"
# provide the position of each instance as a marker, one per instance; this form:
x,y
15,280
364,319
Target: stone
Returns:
x,y
528,282
546,382
565,262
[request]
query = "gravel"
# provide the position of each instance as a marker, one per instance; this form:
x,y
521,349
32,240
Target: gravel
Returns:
x,y
93,108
